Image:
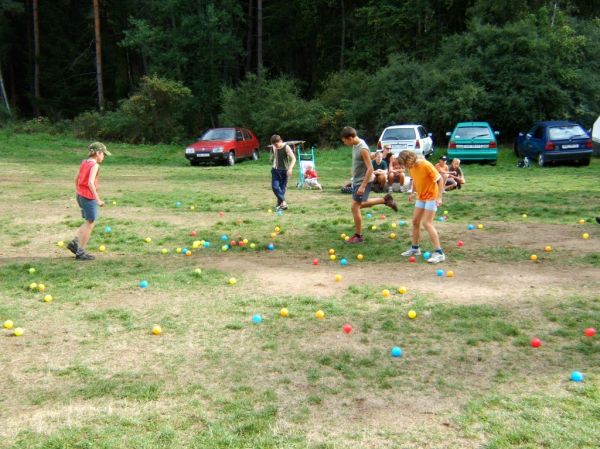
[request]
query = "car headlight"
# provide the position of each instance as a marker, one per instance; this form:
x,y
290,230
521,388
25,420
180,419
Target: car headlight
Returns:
x,y
217,150
189,150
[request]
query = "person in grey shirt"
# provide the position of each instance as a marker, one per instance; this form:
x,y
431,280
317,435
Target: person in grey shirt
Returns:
x,y
362,174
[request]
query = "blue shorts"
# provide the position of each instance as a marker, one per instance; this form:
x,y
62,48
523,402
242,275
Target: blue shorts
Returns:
x,y
427,205
364,196
89,208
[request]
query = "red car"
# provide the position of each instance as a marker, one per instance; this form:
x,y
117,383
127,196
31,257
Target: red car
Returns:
x,y
223,145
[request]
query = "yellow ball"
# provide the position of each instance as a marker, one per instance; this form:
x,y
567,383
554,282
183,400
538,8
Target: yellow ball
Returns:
x,y
41,287
412,314
284,312
192,207
164,250
393,225
343,236
319,314
224,248
18,332
374,228
60,244
548,248
385,293
445,212
114,203
581,221
202,242
31,270
338,278
479,226
524,215
156,330
48,298
402,290
392,235
245,241
533,257
178,250
252,245
102,248
8,324
33,286
450,274
333,257
198,271
147,239
277,229
585,236
347,238
332,251
270,211
196,244
232,281
273,235
360,256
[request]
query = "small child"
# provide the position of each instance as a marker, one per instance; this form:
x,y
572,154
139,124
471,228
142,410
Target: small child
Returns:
x,y
311,177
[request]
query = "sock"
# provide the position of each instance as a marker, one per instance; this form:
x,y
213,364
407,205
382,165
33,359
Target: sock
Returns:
x,y
414,246
439,251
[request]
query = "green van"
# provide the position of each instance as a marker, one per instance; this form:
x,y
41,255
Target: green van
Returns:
x,y
473,141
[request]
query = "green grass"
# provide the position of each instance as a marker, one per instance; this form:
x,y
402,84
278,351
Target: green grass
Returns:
x,y
88,372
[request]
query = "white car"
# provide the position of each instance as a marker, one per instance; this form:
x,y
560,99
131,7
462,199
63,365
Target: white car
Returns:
x,y
407,137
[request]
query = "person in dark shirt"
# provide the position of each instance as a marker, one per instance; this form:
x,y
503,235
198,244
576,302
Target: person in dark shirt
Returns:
x,y
380,170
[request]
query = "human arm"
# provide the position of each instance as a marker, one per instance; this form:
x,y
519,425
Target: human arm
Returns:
x,y
366,157
291,158
92,184
440,183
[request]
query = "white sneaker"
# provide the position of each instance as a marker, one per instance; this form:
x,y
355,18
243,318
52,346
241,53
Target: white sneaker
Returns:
x,y
436,258
412,252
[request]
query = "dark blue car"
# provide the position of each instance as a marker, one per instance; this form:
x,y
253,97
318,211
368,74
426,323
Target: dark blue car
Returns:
x,y
555,141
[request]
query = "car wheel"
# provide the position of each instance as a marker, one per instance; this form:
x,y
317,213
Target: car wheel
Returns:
x,y
255,155
194,163
542,160
493,163
584,162
231,158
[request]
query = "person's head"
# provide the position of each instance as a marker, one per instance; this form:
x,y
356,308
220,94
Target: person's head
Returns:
x,y
348,135
307,167
455,163
97,151
443,160
379,156
387,148
276,141
407,158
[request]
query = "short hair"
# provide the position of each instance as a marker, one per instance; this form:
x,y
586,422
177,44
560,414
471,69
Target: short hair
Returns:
x,y
407,158
348,132
275,138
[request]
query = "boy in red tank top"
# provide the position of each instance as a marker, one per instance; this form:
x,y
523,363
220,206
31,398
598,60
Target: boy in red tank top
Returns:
x,y
86,185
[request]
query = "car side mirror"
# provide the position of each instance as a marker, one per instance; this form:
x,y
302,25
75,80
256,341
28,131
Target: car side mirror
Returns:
x,y
430,134
448,134
497,133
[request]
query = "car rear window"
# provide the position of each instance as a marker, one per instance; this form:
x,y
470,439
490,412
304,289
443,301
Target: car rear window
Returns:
x,y
219,134
399,134
566,132
472,132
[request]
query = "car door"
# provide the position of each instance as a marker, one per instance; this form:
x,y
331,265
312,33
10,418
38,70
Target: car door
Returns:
x,y
537,141
247,142
240,150
427,141
527,148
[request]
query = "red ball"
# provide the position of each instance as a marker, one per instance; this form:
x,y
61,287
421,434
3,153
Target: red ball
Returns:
x,y
315,262
536,343
412,259
221,213
589,332
193,233
460,243
241,243
382,217
347,328
233,243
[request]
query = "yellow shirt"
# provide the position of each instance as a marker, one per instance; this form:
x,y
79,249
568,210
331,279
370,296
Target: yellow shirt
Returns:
x,y
425,176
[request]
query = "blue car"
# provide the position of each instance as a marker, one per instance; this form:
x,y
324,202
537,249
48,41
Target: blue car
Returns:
x,y
558,141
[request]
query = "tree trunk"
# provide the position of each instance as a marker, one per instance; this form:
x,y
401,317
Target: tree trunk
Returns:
x,y
343,43
3,93
99,81
249,40
36,59
259,46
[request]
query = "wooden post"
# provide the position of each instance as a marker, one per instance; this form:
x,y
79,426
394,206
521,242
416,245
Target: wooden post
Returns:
x,y
3,93
36,59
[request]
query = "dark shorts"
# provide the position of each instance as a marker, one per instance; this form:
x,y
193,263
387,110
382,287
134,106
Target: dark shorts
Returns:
x,y
364,196
89,208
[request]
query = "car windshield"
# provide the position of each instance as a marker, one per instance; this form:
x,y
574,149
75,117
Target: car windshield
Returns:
x,y
472,132
219,134
399,134
566,132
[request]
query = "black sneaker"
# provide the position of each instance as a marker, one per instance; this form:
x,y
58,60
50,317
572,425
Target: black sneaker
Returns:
x,y
598,220
73,246
389,202
84,256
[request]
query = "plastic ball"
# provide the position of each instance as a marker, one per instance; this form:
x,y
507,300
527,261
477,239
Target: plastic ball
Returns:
x,y
277,229
245,241
60,244
402,223
411,314
143,284
102,248
343,262
426,255
48,298
581,221
232,281
441,219
279,212
319,314
18,332
192,207
164,251
206,244
188,254
31,270
273,235
257,319
156,330
385,293
412,259
548,248
184,251
470,227
178,204
178,250
374,228
252,245
333,257
440,273
346,238
450,274
577,376
479,226
221,214
224,248
392,235
338,278
402,290
107,230
8,324
589,332
270,247
331,251
533,257
535,342
585,236
41,287
33,286
224,238
315,262
270,211
114,203
284,312
369,215
396,352
445,212
524,216
347,328
343,236
360,257
460,243
393,225
148,240
198,271
193,233
233,243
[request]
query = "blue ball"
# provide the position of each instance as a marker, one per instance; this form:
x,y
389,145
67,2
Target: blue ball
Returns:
x,y
471,227
279,212
426,255
143,284
369,215
396,352
441,219
270,247
107,229
402,223
206,244
343,262
577,376
256,319
440,272
224,237
184,251
178,204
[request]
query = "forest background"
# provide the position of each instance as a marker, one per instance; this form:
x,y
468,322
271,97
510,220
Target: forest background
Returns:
x,y
164,70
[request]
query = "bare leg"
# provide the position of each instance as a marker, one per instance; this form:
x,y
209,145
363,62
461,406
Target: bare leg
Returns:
x,y
84,233
416,225
428,225
356,207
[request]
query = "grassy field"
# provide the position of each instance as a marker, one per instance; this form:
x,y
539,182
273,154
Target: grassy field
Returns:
x,y
87,371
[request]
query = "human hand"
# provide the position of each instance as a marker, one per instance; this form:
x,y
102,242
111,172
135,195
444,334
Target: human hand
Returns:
x,y
360,190
411,197
289,172
438,202
100,202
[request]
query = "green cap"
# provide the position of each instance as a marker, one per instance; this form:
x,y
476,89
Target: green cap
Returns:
x,y
97,147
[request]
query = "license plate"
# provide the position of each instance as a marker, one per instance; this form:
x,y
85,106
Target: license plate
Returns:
x,y
468,146
202,155
402,145
567,147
